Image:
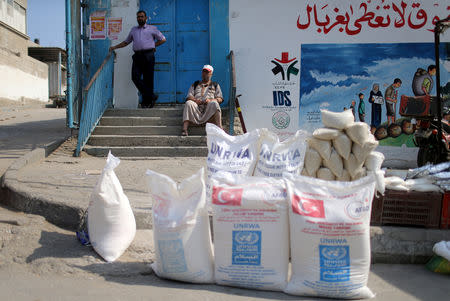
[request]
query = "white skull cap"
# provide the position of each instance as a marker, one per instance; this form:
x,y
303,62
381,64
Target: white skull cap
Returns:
x,y
208,67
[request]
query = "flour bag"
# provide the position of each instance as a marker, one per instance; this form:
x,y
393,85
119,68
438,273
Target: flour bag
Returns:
x,y
251,232
330,237
181,232
233,154
276,157
111,223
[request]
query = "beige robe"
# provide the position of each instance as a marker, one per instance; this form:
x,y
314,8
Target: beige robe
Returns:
x,y
203,113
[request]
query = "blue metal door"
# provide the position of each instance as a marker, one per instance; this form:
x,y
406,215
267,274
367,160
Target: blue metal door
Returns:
x,y
185,24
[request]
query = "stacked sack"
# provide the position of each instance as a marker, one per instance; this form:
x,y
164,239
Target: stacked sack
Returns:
x,y
343,150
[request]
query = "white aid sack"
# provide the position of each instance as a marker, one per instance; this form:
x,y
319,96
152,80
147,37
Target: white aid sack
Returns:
x,y
325,174
352,165
181,232
379,178
359,173
337,120
343,145
323,147
361,152
330,237
374,161
335,164
313,160
251,232
233,154
344,177
111,223
359,132
276,157
395,183
326,134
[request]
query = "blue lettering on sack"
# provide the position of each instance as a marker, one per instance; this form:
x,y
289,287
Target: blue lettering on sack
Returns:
x,y
334,263
172,257
219,151
246,248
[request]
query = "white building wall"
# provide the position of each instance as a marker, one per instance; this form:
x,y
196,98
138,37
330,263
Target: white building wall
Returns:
x,y
125,92
16,84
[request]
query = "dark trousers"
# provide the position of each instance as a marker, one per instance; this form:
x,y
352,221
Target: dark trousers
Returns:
x,y
142,75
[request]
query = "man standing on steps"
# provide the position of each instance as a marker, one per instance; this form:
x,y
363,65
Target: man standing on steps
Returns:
x,y
202,102
144,47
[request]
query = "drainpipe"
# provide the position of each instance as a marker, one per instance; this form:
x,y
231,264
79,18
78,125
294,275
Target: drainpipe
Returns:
x,y
69,95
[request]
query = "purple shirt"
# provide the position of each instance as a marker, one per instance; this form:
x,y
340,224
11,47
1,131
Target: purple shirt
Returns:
x,y
144,37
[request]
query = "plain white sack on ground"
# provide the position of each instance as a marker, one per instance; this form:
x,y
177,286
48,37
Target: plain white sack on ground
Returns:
x,y
337,120
251,232
181,231
330,237
111,223
442,249
276,157
233,154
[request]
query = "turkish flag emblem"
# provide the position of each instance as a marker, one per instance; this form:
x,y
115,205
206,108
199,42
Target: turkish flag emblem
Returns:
x,y
308,207
227,196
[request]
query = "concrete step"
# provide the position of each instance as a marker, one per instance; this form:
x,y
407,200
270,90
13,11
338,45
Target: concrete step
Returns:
x,y
124,140
139,121
148,151
175,111
169,130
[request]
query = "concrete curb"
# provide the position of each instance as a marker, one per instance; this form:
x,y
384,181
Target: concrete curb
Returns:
x,y
12,193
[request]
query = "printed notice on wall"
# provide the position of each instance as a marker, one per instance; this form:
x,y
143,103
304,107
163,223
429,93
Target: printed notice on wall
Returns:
x,y
97,25
114,28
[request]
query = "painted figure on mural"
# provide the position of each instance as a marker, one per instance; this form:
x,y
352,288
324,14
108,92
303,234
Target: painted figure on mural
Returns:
x,y
390,96
361,108
352,107
203,102
423,81
145,38
377,101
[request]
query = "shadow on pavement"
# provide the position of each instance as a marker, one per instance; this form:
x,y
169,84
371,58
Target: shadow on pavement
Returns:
x,y
144,276
414,280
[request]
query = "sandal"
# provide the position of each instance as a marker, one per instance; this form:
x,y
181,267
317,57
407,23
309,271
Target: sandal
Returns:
x,y
184,133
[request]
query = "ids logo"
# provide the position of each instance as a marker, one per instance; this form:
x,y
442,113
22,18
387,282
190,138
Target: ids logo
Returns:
x,y
285,66
357,209
281,120
282,98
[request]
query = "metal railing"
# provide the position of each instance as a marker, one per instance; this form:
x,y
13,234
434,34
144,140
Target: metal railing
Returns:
x,y
97,97
234,99
232,92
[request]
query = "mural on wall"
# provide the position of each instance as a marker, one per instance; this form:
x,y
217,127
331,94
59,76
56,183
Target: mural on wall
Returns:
x,y
342,49
368,79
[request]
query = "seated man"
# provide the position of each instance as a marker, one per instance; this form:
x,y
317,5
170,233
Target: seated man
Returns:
x,y
202,102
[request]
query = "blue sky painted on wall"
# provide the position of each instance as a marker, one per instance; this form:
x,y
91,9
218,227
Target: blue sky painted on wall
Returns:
x,y
332,75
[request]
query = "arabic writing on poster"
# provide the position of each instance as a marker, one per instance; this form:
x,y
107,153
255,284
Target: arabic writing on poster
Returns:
x,y
350,19
98,25
114,28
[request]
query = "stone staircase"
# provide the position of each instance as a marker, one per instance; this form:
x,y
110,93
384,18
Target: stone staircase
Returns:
x,y
152,132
